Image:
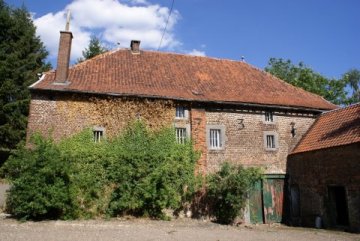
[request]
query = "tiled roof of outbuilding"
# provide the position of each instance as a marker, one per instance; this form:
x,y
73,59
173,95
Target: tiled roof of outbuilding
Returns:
x,y
334,128
184,77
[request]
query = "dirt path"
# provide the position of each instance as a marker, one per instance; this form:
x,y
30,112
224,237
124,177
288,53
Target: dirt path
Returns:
x,y
142,229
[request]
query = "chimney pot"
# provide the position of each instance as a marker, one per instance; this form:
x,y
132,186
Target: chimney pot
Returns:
x,y
135,46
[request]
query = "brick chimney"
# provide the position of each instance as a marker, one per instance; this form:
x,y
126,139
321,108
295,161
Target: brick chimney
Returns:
x,y
63,60
135,46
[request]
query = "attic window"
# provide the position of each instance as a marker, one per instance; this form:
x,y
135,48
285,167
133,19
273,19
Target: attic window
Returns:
x,y
98,133
269,116
181,112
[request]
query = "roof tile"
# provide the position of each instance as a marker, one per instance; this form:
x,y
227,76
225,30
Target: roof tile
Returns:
x,y
334,128
177,76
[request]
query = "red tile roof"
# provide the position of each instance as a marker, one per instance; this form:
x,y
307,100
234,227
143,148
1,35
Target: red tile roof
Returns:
x,y
334,128
185,77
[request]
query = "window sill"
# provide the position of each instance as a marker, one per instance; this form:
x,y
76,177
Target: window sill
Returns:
x,y
271,149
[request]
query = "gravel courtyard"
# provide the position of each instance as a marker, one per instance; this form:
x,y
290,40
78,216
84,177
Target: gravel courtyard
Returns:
x,y
143,229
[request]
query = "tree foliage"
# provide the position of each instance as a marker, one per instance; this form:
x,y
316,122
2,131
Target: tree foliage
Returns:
x,y
352,79
95,48
304,77
22,57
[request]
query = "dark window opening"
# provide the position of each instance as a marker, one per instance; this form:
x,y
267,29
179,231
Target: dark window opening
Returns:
x,y
180,112
98,135
269,117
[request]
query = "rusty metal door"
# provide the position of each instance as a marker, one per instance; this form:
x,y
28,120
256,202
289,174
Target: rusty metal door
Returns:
x,y
273,196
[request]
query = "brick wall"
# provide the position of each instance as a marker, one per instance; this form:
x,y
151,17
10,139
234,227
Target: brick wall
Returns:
x,y
244,138
64,114
315,171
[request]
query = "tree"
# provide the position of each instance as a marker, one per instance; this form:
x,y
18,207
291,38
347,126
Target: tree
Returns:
x,y
304,77
95,48
352,79
22,57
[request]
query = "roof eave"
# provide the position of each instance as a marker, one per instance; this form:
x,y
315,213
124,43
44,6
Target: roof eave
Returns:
x,y
247,104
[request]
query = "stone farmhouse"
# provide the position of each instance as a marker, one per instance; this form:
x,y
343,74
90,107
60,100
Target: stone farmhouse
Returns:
x,y
323,170
231,110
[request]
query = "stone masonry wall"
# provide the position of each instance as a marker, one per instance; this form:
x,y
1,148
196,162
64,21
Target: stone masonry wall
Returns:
x,y
244,138
315,171
62,115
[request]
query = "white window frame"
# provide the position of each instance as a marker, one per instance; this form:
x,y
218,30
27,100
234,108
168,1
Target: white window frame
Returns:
x,y
181,109
215,136
181,135
98,134
269,117
182,126
271,135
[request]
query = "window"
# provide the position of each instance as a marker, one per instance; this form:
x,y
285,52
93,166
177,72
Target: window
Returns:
x,y
215,137
270,141
98,136
98,133
181,112
181,135
269,116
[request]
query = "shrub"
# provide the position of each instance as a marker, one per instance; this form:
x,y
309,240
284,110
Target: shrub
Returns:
x,y
227,190
139,172
39,179
151,173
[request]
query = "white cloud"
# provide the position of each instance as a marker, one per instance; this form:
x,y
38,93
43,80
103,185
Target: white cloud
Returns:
x,y
114,20
197,52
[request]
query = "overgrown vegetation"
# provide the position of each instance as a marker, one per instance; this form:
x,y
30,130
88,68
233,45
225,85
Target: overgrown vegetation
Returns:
x,y
227,190
140,172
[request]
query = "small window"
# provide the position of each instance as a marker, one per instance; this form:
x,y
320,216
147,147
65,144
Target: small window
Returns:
x,y
269,116
181,135
215,139
98,136
270,140
98,133
180,112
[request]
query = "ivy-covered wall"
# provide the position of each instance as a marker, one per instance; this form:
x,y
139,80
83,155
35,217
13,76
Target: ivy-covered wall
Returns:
x,y
62,115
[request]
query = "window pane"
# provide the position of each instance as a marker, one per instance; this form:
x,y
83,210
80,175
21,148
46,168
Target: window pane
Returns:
x,y
180,112
215,138
180,135
98,136
270,141
269,117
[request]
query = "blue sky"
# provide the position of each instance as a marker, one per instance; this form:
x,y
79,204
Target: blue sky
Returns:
x,y
323,34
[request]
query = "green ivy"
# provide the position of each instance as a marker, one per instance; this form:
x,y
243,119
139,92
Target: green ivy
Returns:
x,y
140,172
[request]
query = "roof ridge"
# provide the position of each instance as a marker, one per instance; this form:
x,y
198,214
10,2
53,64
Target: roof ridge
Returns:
x,y
109,52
